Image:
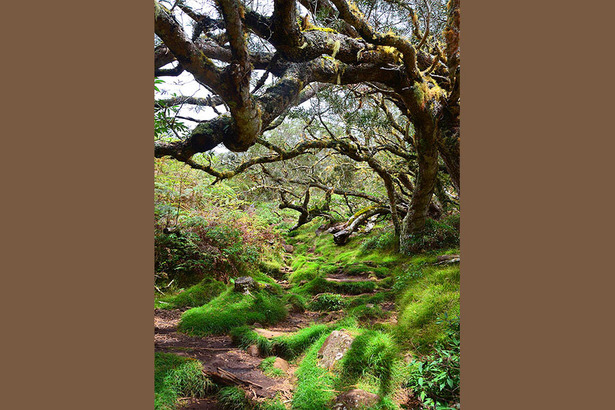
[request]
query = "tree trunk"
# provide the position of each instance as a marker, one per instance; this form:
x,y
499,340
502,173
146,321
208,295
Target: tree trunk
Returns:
x,y
414,221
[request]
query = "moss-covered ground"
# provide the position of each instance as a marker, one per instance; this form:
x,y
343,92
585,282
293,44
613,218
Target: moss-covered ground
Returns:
x,y
397,307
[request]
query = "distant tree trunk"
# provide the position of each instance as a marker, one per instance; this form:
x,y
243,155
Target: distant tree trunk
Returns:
x,y
414,221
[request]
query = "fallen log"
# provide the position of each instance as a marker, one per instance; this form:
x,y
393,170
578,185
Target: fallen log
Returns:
x,y
341,237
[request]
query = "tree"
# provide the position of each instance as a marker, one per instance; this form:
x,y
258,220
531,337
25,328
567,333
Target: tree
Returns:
x,y
411,71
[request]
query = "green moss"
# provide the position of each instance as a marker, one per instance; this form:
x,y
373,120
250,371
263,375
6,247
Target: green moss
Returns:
x,y
286,346
372,363
297,302
196,295
432,293
177,376
271,268
233,398
324,29
314,384
373,354
320,285
363,312
232,309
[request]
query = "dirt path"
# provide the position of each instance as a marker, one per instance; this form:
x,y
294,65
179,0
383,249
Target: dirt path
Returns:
x,y
214,352
218,352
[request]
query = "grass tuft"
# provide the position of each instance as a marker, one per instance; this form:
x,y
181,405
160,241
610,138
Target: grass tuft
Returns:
x,y
233,398
194,296
232,309
177,376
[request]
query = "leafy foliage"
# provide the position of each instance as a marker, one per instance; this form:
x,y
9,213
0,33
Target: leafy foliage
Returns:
x,y
438,234
435,378
327,302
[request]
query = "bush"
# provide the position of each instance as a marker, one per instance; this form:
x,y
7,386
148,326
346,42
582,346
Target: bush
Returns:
x,y
382,242
438,234
327,302
435,379
199,248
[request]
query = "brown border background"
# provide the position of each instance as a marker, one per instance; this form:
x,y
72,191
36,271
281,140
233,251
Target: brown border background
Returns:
x,y
536,205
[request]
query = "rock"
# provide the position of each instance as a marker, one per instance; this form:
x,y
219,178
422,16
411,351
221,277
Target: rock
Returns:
x,y
288,248
369,305
253,351
334,348
355,399
244,284
281,364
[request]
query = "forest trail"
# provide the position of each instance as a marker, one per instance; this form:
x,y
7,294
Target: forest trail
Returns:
x,y
218,353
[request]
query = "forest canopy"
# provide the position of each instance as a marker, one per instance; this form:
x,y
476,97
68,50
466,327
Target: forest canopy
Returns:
x,y
335,109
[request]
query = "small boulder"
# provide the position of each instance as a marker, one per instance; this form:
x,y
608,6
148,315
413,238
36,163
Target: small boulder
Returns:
x,y
288,248
281,364
355,399
334,348
244,284
253,350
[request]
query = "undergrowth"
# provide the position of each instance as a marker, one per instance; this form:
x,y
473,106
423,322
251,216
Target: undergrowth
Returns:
x,y
177,376
232,309
435,378
196,295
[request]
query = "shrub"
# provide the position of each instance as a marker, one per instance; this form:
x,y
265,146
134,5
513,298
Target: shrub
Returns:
x,y
379,242
437,234
213,247
435,379
327,302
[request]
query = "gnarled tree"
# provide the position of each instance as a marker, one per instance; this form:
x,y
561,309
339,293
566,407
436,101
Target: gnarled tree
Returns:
x,y
406,55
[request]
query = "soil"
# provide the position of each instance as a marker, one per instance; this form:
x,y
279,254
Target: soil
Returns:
x,y
217,353
214,352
